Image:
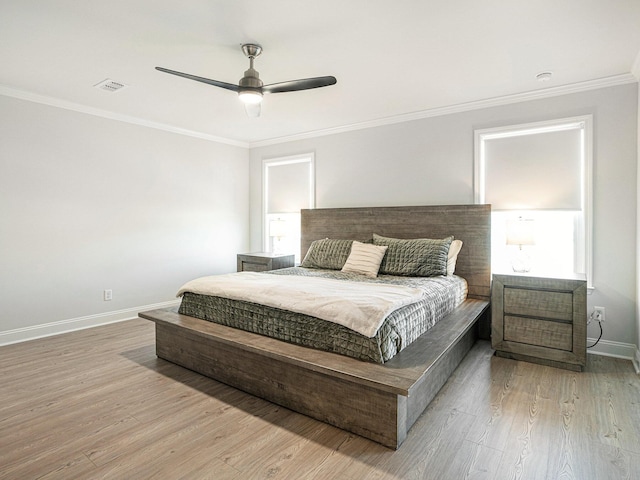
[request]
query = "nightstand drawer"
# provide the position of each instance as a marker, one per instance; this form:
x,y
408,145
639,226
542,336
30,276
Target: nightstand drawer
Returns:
x,y
533,331
254,267
538,303
263,261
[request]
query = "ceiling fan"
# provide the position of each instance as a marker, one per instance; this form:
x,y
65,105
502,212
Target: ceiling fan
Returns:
x,y
250,88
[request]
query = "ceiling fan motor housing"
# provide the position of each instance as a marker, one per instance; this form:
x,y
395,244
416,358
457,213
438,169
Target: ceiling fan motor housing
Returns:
x,y
250,80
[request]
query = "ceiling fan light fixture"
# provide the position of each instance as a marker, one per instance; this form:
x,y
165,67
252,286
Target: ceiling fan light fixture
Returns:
x,y
250,97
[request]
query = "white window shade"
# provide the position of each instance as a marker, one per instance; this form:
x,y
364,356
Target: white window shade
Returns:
x,y
288,187
534,171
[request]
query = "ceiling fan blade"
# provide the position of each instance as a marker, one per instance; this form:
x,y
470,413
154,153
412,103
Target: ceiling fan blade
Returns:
x,y
216,83
252,109
303,84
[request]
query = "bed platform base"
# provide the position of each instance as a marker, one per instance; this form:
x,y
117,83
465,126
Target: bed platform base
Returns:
x,y
377,401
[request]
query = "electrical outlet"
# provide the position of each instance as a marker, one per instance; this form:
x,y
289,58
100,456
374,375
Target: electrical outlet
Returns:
x,y
598,314
108,295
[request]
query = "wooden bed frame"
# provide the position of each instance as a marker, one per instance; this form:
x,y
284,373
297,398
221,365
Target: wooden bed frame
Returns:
x,y
377,401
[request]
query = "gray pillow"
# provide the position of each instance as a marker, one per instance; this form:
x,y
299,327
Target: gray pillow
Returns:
x,y
328,253
418,257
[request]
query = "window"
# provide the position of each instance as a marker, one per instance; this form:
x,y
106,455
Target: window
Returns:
x,y
538,175
288,186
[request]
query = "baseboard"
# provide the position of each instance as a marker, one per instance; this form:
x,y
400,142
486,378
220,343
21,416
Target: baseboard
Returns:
x,y
63,326
604,347
607,348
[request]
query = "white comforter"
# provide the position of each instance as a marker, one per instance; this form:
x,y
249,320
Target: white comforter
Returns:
x,y
360,306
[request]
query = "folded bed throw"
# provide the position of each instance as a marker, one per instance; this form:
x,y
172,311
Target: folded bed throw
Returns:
x,y
362,307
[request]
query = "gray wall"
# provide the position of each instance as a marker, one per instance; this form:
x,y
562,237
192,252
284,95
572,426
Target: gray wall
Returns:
x,y
88,203
430,161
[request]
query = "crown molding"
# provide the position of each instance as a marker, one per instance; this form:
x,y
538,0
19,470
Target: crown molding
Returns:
x,y
463,107
433,112
76,107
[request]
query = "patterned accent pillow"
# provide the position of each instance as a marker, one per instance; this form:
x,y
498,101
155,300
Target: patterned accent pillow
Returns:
x,y
418,257
328,253
364,259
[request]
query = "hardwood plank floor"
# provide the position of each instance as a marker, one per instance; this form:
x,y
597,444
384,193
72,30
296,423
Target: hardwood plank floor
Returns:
x,y
98,403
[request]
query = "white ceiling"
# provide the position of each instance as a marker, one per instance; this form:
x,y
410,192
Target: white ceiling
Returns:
x,y
390,58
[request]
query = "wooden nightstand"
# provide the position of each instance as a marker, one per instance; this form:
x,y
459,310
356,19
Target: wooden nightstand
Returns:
x,y
263,261
540,320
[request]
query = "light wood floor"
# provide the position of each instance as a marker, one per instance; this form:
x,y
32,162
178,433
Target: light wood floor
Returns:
x,y
99,404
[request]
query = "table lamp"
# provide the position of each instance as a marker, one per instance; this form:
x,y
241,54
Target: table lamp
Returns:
x,y
521,232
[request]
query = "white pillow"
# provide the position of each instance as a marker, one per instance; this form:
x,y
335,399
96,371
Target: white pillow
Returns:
x,y
364,259
454,250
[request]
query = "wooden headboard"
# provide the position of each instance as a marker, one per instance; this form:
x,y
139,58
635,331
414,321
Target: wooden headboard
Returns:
x,y
469,223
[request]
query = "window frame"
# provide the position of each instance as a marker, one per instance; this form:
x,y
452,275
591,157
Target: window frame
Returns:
x,y
308,157
583,122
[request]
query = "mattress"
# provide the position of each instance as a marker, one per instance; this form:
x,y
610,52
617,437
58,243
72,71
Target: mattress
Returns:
x,y
399,329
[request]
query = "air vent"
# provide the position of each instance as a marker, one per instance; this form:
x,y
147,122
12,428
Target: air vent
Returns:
x,y
110,85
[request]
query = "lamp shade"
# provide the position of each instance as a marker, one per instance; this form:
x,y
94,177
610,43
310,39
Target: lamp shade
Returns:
x,y
520,232
277,228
